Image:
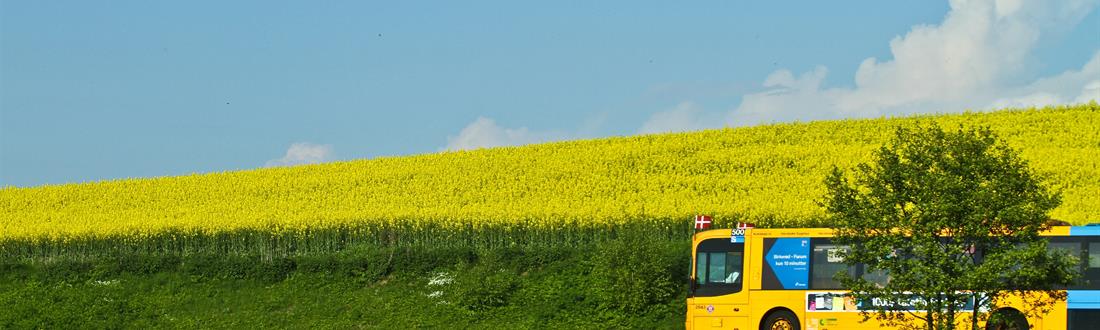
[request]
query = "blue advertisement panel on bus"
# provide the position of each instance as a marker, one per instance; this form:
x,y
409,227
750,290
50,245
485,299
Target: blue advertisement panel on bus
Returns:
x,y
786,264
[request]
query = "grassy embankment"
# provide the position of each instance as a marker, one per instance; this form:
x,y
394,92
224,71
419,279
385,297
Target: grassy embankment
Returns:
x,y
630,282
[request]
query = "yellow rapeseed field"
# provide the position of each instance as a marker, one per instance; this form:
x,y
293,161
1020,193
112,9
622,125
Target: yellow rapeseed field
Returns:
x,y
769,174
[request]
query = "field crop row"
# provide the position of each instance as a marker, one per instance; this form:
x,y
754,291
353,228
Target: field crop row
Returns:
x,y
771,175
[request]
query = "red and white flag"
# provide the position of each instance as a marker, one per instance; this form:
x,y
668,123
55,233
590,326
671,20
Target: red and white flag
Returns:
x,y
745,225
702,221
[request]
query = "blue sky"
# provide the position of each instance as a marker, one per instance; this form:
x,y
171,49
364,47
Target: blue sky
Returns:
x,y
140,88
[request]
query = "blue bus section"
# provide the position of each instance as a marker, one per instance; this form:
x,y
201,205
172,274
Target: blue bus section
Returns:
x,y
1084,305
1083,299
1084,231
787,264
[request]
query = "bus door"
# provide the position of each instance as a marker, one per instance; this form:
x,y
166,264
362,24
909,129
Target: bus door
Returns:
x,y
719,295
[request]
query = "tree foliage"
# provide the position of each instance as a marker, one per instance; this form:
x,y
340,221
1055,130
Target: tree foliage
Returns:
x,y
949,218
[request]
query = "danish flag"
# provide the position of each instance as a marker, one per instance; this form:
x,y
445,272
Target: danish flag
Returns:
x,y
702,221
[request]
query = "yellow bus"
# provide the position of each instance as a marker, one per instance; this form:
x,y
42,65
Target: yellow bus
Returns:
x,y
783,279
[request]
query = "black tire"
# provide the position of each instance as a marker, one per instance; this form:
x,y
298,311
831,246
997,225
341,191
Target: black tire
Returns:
x,y
780,320
1007,319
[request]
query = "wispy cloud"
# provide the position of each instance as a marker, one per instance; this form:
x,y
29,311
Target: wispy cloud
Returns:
x,y
303,153
686,116
485,133
1074,86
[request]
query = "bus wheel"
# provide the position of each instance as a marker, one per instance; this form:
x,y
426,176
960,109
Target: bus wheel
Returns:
x,y
780,320
1007,319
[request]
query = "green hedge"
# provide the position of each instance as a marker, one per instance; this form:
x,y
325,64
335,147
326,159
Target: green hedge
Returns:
x,y
632,279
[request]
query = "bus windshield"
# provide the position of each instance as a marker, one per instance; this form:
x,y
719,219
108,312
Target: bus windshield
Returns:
x,y
719,267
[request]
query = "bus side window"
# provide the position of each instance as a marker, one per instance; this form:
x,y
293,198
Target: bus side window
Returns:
x,y
1073,248
1092,272
878,277
826,262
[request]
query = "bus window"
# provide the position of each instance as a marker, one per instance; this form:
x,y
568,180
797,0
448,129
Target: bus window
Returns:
x,y
826,262
1071,247
1091,279
1094,254
701,271
878,277
719,267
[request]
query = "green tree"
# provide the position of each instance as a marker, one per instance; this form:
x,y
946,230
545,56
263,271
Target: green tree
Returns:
x,y
948,218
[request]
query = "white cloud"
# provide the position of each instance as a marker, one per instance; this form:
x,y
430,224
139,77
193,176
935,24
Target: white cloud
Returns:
x,y
485,133
977,58
685,117
303,153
